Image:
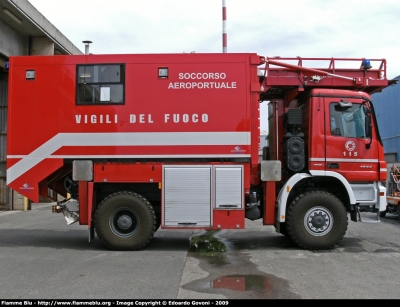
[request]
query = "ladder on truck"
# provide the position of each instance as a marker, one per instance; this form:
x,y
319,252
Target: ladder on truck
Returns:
x,y
285,78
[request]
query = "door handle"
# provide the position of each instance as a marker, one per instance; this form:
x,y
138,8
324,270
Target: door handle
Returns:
x,y
333,165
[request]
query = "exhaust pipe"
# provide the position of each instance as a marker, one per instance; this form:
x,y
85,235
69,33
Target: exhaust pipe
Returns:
x,y
87,46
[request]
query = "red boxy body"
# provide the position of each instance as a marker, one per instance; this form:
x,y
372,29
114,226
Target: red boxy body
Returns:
x,y
161,125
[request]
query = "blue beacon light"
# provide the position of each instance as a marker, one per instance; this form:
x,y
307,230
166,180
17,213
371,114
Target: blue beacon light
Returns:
x,y
366,64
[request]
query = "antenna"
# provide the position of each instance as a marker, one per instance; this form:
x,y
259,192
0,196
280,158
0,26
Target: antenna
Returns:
x,y
224,35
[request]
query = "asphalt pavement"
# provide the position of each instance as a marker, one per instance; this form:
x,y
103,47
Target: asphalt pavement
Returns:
x,y
44,258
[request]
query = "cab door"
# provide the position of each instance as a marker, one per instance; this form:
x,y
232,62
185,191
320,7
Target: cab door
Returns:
x,y
349,149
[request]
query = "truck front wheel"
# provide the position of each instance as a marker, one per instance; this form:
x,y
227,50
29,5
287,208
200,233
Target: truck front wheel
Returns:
x,y
125,221
316,220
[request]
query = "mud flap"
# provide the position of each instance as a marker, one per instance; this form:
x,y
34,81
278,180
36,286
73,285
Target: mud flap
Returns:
x,y
354,215
91,233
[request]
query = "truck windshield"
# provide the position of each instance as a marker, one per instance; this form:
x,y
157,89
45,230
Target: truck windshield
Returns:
x,y
347,122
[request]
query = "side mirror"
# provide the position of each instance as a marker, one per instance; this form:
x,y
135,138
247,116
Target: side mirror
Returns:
x,y
368,130
344,104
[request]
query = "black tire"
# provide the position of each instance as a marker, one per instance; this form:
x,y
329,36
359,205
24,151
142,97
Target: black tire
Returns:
x,y
316,220
382,213
125,221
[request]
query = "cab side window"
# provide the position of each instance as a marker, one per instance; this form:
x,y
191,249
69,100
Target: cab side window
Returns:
x,y
347,122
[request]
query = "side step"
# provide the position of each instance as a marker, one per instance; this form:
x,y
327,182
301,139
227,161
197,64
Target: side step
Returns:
x,y
366,219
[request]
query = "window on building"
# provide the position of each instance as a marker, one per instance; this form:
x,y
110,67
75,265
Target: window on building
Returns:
x,y
100,84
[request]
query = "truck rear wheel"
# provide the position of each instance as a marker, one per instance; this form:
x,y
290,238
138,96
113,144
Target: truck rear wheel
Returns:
x,y
316,220
125,221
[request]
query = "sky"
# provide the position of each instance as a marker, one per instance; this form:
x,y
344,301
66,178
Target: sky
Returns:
x,y
286,28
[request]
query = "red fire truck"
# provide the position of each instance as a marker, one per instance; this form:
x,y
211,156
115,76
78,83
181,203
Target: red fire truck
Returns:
x,y
134,142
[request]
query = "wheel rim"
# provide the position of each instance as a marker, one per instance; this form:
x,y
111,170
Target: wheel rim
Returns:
x,y
318,221
124,222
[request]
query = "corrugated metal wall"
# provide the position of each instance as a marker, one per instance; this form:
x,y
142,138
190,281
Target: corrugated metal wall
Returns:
x,y
387,107
3,141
